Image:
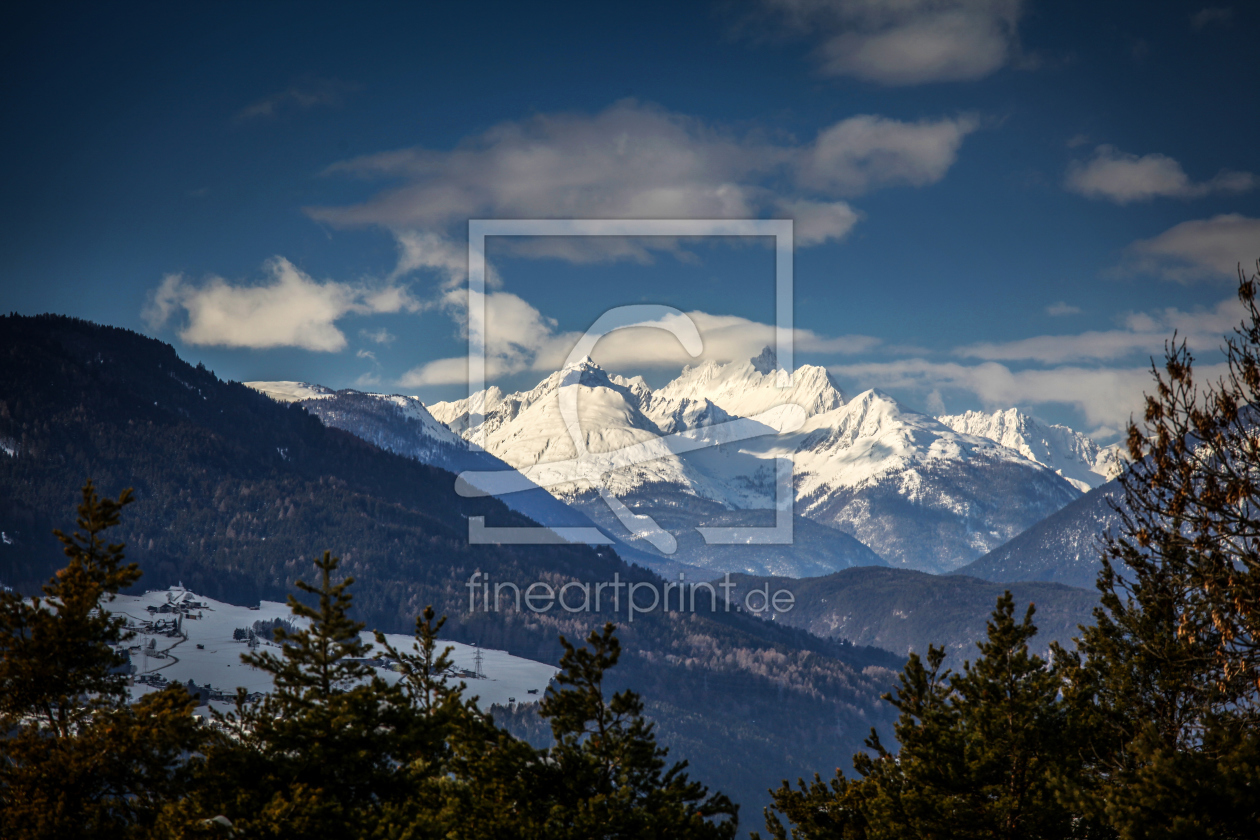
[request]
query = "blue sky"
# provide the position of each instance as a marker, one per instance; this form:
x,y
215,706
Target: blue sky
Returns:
x,y
997,202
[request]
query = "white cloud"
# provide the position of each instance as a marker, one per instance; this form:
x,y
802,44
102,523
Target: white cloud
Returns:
x,y
520,338
628,161
289,310
864,152
816,222
905,42
1201,249
1104,395
1143,332
379,335
1123,178
434,252
1062,308
636,161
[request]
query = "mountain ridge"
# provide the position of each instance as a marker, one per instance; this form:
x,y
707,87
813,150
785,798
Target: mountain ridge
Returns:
x,y
867,467
1076,457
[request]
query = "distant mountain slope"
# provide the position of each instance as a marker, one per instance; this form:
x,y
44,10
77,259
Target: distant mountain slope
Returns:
x,y
920,494
815,549
404,426
903,610
1076,457
1064,547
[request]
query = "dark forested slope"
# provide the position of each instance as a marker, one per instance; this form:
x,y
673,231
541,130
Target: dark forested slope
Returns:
x,y
903,610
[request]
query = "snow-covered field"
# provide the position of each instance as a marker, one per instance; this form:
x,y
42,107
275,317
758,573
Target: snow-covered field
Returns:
x,y
209,656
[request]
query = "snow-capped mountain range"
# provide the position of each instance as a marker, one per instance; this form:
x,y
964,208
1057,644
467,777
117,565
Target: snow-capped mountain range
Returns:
x,y
921,492
1076,457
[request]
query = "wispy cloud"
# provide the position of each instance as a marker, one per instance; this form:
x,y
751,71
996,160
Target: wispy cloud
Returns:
x,y
380,335
1105,396
1202,249
520,338
288,309
298,97
1124,178
639,161
906,42
1140,333
1101,373
862,153
1061,308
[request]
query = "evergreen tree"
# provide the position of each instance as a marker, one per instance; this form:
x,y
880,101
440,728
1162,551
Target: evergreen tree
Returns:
x,y
1169,723
465,776
980,754
606,776
821,810
318,756
77,759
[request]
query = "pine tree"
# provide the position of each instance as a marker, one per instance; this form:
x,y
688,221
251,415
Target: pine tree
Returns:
x,y
1169,739
819,810
78,760
318,756
980,754
1014,734
606,776
462,773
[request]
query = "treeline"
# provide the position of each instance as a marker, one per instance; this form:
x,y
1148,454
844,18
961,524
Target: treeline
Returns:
x,y
1149,728
334,751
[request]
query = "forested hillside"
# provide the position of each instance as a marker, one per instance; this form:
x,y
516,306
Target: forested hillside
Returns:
x,y
905,611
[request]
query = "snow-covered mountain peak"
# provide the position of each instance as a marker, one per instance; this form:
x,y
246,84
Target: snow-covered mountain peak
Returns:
x,y
1074,456
529,432
873,435
744,389
455,413
685,413
636,385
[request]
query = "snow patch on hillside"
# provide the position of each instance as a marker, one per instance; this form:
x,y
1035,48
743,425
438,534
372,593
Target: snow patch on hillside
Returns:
x,y
209,656
286,391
